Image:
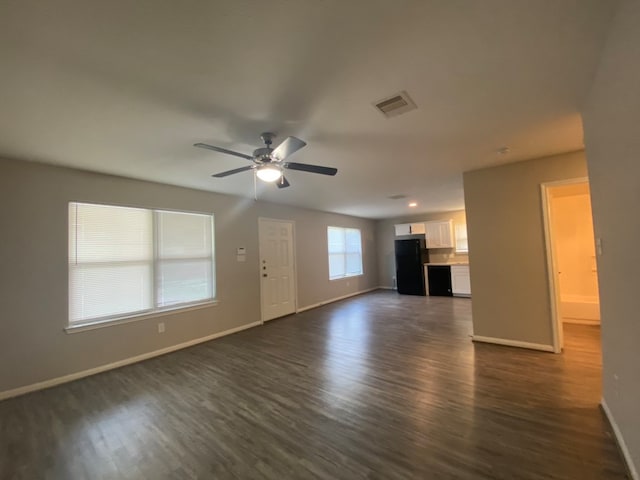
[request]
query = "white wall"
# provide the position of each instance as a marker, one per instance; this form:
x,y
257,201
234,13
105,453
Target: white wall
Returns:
x,y
33,275
612,139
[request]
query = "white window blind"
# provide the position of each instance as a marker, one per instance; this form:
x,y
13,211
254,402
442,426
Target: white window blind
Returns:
x,y
345,252
185,252
126,261
462,245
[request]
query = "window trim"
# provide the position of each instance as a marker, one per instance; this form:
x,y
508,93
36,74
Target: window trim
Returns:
x,y
346,275
466,237
154,311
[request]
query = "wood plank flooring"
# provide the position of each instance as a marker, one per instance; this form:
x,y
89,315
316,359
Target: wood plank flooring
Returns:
x,y
381,386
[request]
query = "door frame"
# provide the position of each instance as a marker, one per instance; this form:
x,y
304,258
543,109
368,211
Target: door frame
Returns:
x,y
552,263
295,270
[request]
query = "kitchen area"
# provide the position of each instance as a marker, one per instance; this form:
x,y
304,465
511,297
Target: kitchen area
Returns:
x,y
430,257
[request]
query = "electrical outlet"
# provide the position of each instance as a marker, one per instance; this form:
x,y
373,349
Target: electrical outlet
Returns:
x,y
161,327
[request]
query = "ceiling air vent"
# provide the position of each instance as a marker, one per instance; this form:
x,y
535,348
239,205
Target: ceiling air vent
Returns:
x,y
395,105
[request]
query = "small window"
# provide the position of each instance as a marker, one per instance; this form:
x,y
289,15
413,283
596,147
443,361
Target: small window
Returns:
x,y
345,252
130,261
462,245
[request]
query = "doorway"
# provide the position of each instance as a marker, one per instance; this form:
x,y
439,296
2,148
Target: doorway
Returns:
x,y
277,268
571,256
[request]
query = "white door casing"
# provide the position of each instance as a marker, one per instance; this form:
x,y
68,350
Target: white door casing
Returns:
x,y
552,261
277,268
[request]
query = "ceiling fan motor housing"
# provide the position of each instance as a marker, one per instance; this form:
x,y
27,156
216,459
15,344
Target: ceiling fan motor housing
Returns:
x,y
263,154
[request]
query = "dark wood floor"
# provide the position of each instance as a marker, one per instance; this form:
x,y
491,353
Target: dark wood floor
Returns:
x,y
379,386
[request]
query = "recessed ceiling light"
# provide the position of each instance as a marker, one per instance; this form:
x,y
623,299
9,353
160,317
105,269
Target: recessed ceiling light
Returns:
x,y
504,150
413,204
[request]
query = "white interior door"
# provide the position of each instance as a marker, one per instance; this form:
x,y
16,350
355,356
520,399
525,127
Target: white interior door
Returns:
x,y
277,272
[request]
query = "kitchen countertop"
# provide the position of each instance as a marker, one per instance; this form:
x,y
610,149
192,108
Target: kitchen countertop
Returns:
x,y
448,263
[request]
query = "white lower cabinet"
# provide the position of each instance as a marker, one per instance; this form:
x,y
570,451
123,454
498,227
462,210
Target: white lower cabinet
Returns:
x,y
460,280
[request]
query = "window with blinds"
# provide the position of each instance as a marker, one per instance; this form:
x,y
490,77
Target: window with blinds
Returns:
x,y
129,261
345,252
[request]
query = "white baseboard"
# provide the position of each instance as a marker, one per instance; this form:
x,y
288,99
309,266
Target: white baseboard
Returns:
x,y
581,321
513,343
385,288
336,299
633,471
580,307
120,363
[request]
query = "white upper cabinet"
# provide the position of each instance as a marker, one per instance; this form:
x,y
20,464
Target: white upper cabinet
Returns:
x,y
417,228
409,228
439,234
403,229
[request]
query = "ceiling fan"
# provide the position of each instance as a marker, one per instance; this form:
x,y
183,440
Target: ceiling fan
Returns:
x,y
268,163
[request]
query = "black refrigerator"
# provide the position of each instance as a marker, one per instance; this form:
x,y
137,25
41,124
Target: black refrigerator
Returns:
x,y
411,255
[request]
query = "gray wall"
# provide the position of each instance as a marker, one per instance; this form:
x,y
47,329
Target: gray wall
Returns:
x,y
386,234
507,248
33,274
312,264
612,138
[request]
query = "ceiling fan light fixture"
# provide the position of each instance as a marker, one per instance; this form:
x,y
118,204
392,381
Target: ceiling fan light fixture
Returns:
x,y
268,163
268,173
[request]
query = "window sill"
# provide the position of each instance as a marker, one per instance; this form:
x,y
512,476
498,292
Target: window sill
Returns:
x,y
346,276
83,327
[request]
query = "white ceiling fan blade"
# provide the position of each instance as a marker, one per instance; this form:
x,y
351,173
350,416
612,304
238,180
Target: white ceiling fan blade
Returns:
x,y
289,146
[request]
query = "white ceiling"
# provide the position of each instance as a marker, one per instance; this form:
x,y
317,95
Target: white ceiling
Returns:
x,y
126,87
